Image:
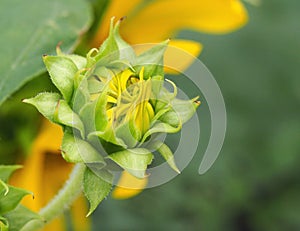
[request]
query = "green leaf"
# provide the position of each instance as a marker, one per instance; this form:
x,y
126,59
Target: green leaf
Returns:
x,y
135,161
19,217
97,186
76,150
30,30
10,200
62,71
7,170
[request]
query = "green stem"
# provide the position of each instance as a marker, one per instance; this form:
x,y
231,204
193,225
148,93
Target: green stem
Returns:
x,y
61,201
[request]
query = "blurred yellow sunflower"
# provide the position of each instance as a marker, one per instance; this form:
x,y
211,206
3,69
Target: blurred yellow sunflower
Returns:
x,y
44,173
157,20
152,21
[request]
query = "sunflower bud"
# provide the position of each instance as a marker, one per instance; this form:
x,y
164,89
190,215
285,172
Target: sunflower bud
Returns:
x,y
111,104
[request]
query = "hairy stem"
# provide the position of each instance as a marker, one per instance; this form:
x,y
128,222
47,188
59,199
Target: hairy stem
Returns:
x,y
61,201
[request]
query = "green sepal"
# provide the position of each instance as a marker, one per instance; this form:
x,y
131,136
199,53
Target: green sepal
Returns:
x,y
161,127
90,57
120,65
152,60
115,48
76,150
166,153
87,114
3,224
184,109
56,110
96,187
66,116
135,161
126,51
157,83
109,136
101,119
128,134
11,198
95,86
98,72
109,48
104,131
45,103
164,98
19,217
81,96
62,71
4,187
78,60
171,118
7,170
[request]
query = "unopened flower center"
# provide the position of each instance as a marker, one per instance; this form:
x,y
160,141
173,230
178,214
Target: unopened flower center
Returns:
x,y
129,100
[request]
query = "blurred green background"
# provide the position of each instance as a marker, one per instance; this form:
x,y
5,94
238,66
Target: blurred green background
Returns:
x,y
255,183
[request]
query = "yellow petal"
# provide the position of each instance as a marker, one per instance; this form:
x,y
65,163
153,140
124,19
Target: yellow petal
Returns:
x,y
31,177
79,220
158,20
79,211
118,9
131,186
180,54
58,224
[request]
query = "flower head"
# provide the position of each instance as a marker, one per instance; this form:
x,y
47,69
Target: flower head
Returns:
x,y
112,104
